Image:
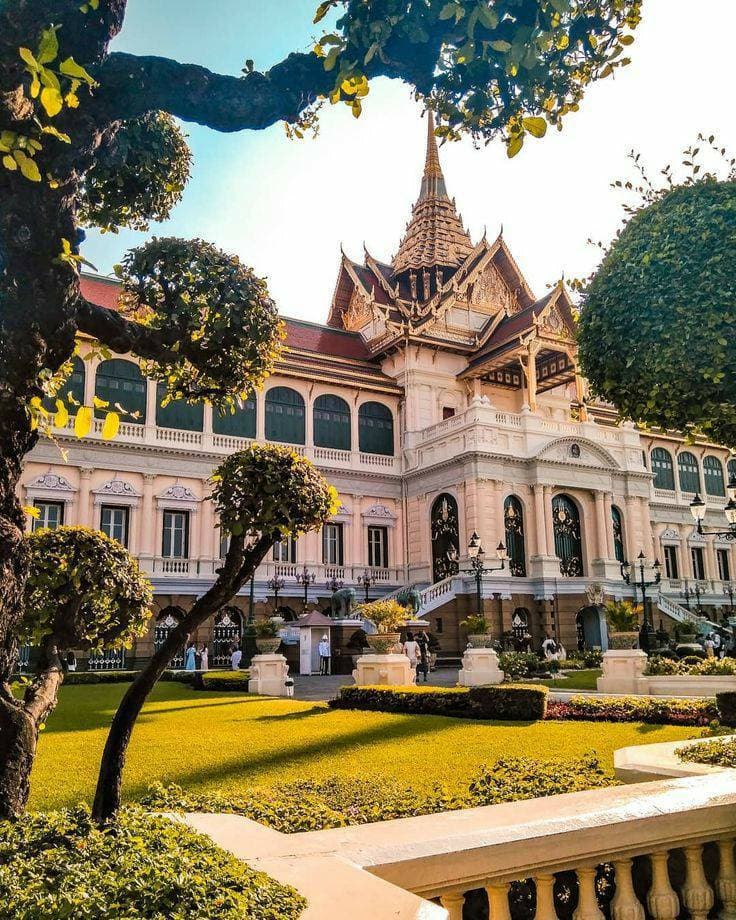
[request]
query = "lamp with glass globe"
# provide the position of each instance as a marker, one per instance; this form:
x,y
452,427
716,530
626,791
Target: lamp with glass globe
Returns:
x,y
478,567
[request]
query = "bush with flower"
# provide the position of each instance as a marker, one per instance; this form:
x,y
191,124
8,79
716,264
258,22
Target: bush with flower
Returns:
x,y
387,616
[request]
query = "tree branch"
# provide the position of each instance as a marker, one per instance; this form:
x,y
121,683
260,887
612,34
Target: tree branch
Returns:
x,y
131,85
125,335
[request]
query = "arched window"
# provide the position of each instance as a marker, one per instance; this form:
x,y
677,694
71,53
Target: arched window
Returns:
x,y
713,476
687,469
165,622
664,476
375,429
120,381
284,416
445,537
178,413
513,516
568,543
331,422
240,423
732,471
73,384
618,534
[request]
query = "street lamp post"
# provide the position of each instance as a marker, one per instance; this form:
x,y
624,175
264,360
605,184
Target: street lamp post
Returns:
x,y
698,509
478,568
729,591
305,578
688,592
365,581
635,575
275,584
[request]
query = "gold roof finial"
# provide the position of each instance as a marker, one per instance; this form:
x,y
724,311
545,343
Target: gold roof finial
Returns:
x,y
433,182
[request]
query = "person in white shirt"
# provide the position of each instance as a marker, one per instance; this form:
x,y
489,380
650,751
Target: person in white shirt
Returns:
x,y
411,650
235,659
204,659
550,649
324,655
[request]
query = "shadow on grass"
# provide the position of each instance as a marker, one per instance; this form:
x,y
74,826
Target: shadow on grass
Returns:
x,y
253,768
294,716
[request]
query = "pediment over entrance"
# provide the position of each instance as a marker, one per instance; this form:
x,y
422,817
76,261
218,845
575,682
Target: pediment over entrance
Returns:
x,y
577,452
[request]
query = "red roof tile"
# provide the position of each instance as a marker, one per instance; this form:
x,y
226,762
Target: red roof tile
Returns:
x,y
101,291
325,340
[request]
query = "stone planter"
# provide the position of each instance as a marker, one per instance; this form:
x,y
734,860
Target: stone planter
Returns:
x,y
480,668
623,640
269,673
267,646
384,670
383,643
480,640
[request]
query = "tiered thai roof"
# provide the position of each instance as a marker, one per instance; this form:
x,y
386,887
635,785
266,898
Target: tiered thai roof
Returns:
x,y
435,236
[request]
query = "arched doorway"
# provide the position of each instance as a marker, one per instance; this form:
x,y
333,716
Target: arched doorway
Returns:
x,y
445,537
227,631
513,516
568,543
165,622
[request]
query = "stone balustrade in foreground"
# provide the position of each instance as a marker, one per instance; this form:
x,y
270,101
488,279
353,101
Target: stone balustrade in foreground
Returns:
x,y
659,849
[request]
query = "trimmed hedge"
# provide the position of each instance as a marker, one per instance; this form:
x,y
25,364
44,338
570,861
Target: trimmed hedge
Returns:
x,y
225,680
513,702
340,802
71,678
61,865
652,710
726,703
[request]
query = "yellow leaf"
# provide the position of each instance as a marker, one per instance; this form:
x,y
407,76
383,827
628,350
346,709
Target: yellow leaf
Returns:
x,y
51,100
514,145
100,403
61,419
27,166
28,58
111,426
356,107
9,163
83,422
32,511
537,127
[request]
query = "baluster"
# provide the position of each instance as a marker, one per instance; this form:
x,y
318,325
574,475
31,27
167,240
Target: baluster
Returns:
x,y
697,895
498,901
726,882
453,904
662,901
545,898
587,908
625,904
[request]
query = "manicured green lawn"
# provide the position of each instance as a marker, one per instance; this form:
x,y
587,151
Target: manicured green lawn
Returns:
x,y
205,741
575,680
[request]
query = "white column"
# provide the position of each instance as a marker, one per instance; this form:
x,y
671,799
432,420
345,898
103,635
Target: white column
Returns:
x,y
600,520
147,518
609,525
260,399
548,523
151,391
358,555
540,528
83,516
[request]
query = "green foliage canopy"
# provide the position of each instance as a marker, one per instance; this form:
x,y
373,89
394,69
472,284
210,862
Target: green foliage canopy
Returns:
x,y
225,327
658,320
84,590
271,489
138,176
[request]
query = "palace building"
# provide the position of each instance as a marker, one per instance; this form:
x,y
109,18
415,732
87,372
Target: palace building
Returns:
x,y
442,398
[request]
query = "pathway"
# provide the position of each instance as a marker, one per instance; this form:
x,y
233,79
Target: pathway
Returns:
x,y
325,688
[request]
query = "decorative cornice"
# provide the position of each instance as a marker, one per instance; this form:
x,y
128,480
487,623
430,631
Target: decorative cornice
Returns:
x,y
117,490
51,485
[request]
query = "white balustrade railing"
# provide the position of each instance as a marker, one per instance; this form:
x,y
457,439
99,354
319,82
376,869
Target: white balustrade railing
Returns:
x,y
656,850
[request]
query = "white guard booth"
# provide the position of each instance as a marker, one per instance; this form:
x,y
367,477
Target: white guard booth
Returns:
x,y
312,626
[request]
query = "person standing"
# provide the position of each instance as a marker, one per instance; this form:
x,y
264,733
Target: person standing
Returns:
x,y
190,658
411,650
235,657
324,655
709,646
204,659
423,665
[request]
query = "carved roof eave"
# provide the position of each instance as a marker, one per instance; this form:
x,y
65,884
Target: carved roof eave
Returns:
x,y
375,266
522,280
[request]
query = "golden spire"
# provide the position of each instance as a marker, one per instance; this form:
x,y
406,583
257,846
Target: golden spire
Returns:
x,y
435,235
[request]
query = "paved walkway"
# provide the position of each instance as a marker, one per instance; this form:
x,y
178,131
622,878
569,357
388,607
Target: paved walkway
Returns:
x,y
325,688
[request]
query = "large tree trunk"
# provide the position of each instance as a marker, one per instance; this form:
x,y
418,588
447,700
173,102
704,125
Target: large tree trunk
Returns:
x,y
238,568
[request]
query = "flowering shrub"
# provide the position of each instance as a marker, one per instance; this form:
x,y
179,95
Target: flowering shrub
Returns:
x,y
714,667
622,616
719,753
386,616
652,710
518,665
476,624
266,488
84,590
339,802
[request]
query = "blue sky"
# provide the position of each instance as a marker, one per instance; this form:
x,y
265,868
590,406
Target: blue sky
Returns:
x,y
285,207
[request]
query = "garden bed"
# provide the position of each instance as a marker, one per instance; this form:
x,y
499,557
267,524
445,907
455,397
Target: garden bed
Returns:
x,y
718,752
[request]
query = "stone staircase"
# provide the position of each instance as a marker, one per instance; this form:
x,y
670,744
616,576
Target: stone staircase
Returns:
x,y
681,614
433,596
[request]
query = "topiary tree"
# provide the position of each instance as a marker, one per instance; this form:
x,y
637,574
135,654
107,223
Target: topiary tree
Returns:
x,y
260,493
84,591
86,138
658,319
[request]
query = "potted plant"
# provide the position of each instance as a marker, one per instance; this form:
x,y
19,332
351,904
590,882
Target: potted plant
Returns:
x,y
267,636
387,616
479,633
622,618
